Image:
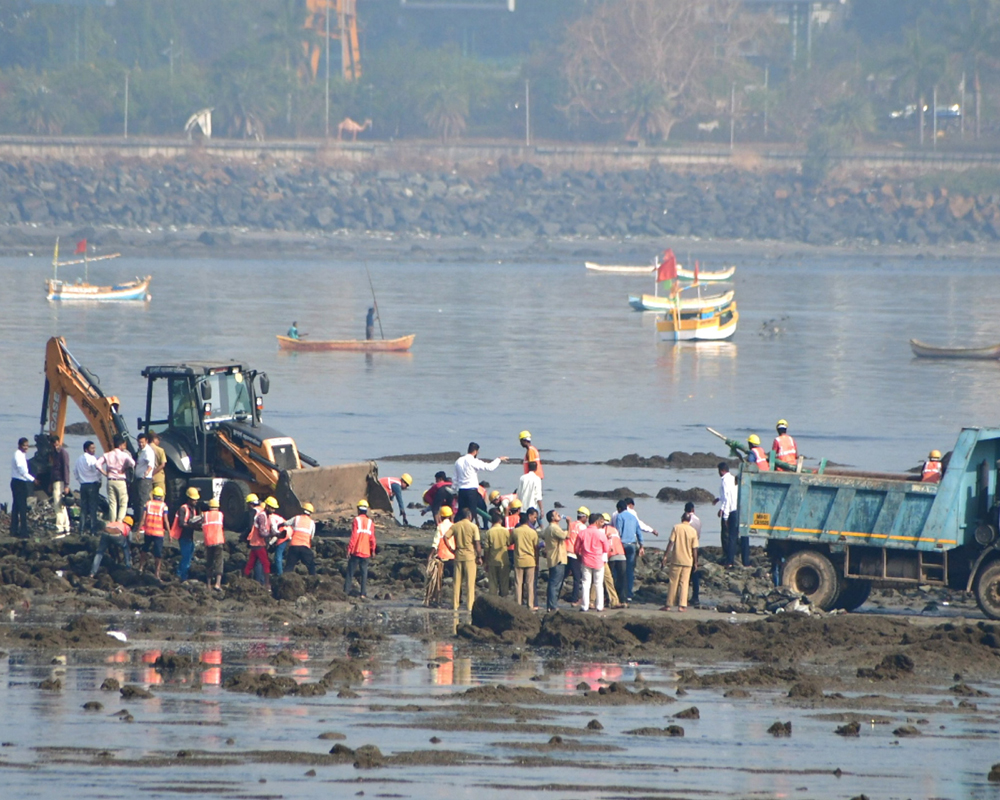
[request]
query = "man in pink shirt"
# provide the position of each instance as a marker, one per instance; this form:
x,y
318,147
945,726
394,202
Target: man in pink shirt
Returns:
x,y
113,465
592,549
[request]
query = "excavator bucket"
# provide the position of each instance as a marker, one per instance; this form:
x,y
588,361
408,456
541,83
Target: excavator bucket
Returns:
x,y
332,490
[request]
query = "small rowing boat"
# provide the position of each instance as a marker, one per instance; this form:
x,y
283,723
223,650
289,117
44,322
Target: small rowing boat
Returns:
x,y
652,302
991,353
399,345
707,325
619,270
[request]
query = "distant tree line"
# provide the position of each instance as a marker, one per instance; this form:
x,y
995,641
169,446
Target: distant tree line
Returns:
x,y
649,71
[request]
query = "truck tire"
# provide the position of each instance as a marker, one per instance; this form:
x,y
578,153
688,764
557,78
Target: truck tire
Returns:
x,y
176,488
233,504
853,594
988,590
811,574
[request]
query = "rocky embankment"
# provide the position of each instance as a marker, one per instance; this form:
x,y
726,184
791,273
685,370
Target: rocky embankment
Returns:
x,y
508,201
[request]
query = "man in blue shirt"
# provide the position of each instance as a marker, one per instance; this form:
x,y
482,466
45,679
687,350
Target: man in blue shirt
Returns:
x,y
630,529
293,332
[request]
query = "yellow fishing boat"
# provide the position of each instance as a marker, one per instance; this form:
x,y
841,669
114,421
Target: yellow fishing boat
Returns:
x,y
712,324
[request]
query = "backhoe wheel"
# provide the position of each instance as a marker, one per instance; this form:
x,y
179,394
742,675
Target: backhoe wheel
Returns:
x,y
233,504
988,590
853,594
810,573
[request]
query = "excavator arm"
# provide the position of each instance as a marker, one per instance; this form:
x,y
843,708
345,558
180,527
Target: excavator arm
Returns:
x,y
66,379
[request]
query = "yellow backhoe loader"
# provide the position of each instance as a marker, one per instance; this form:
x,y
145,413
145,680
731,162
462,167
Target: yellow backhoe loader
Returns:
x,y
209,418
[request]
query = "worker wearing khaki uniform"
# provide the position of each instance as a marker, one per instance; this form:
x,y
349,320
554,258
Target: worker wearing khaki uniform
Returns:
x,y
682,557
497,562
468,554
525,541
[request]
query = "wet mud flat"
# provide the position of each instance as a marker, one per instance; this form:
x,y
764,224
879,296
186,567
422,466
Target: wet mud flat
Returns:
x,y
394,703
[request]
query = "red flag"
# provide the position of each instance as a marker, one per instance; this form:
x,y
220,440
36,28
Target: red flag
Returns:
x,y
81,246
696,273
668,267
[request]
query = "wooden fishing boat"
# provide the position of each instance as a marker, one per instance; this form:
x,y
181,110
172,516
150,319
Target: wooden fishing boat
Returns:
x,y
706,325
991,353
651,302
619,270
399,345
61,291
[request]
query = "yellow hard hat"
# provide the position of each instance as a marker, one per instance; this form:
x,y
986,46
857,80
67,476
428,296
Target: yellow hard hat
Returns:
x,y
753,440
514,504
362,503
406,478
782,423
607,516
271,502
128,521
193,494
494,495
253,499
524,435
583,511
935,455
213,503
445,511
157,492
308,508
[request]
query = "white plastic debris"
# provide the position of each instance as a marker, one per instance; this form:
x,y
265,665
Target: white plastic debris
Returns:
x,y
121,637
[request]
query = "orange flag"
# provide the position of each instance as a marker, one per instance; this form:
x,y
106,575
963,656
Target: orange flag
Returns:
x,y
668,267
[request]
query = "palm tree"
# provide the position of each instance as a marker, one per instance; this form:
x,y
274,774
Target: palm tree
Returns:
x,y
446,109
39,109
648,109
920,65
853,115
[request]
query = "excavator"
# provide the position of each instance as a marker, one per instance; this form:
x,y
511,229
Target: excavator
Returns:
x,y
210,421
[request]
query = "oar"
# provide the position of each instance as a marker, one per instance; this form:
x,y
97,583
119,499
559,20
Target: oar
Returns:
x,y
378,314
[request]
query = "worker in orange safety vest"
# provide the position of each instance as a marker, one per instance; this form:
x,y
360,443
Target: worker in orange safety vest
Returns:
x,y
530,454
394,489
155,524
303,529
933,469
756,454
360,549
784,445
213,530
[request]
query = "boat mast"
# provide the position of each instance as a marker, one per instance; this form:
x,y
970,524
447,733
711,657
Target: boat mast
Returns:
x,y
55,262
86,266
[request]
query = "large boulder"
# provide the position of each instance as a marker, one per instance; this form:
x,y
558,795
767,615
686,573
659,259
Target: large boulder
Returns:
x,y
501,615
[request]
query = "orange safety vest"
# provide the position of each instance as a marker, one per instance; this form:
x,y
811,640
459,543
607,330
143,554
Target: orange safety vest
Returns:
x,y
303,529
388,483
762,463
187,513
573,530
362,537
445,551
617,548
152,523
932,472
531,454
258,533
784,449
211,527
118,527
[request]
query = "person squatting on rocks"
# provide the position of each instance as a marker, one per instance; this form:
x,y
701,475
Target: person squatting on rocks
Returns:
x,y
442,556
592,548
682,556
468,557
497,563
441,493
115,536
360,549
303,529
155,523
213,531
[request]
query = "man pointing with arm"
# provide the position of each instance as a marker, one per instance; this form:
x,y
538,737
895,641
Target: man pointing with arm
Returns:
x,y
467,479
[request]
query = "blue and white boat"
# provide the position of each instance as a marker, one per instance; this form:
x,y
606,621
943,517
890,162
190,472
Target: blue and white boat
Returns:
x,y
62,291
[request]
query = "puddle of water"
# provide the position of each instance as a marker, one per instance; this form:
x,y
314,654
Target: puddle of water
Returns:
x,y
725,753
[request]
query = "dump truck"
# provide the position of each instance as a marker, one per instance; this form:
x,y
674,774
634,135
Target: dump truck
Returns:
x,y
835,534
210,420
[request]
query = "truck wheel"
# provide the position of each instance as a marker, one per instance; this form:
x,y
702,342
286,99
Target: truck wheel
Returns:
x,y
233,504
810,573
853,594
988,590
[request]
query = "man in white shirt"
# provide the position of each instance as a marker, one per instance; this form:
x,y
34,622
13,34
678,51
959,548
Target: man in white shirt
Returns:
x,y
21,483
467,479
89,478
113,466
145,461
529,488
728,514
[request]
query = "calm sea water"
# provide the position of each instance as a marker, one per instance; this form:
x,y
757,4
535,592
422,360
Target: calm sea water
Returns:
x,y
502,347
